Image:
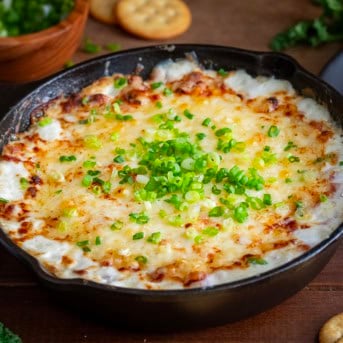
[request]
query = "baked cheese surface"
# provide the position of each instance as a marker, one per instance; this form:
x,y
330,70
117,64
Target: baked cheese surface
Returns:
x,y
190,179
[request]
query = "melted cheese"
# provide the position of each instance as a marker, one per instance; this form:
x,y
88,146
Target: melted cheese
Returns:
x,y
67,225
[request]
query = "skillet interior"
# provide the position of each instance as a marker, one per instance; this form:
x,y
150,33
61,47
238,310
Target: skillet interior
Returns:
x,y
217,304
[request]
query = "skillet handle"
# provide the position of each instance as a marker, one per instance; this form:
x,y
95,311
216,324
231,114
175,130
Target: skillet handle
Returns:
x,y
10,94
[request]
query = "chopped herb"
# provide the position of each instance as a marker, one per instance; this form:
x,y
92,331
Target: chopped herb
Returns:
x,y
167,92
299,204
113,47
188,114
138,235
198,239
156,85
86,249
273,131
3,201
82,243
323,198
200,136
59,191
159,104
257,260
45,121
222,72
89,164
70,212
206,122
24,183
87,181
289,146
117,225
293,159
90,47
223,131
119,159
70,158
154,238
139,218
267,199
141,259
7,336
210,231
97,240
241,213
341,163
93,172
217,211
124,117
92,142
120,82
288,180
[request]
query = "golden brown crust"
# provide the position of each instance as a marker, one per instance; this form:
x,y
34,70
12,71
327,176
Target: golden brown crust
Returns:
x,y
332,330
153,19
102,10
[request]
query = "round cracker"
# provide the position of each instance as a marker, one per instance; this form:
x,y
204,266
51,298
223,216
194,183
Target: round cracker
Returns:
x,y
102,10
153,19
332,330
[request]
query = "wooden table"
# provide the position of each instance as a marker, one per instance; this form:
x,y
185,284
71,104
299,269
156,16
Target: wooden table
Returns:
x,y
31,312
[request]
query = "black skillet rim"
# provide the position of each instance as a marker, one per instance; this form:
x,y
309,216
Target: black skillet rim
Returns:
x,y
67,284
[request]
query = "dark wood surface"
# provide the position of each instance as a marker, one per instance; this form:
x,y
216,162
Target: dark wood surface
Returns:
x,y
30,311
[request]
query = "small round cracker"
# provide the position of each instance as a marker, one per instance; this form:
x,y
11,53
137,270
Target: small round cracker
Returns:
x,y
332,330
103,10
154,19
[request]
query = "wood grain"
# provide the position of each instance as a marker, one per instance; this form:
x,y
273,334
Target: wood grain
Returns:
x,y
32,312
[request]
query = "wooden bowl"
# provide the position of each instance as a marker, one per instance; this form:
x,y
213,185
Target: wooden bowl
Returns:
x,y
33,56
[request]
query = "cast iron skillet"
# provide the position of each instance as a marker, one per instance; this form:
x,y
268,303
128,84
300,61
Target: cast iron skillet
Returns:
x,y
189,307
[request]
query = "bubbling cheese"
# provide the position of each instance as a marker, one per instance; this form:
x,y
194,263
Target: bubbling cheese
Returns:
x,y
190,179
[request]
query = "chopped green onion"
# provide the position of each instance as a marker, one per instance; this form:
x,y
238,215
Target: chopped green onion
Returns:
x,y
200,136
69,64
97,240
114,136
3,201
299,204
167,91
70,212
113,47
92,142
119,159
241,213
257,260
323,198
223,131
154,238
90,47
176,220
45,121
86,249
138,235
267,199
206,122
198,239
341,163
289,146
273,131
87,180
106,187
141,259
89,164
156,85
288,180
139,218
217,211
210,231
70,158
222,72
124,117
293,159
82,243
120,82
117,225
159,104
93,172
24,183
188,114
85,100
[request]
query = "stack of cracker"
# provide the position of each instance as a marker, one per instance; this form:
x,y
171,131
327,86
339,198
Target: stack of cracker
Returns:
x,y
149,19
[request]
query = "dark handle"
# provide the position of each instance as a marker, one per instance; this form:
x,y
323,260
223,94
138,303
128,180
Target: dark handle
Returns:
x,y
11,94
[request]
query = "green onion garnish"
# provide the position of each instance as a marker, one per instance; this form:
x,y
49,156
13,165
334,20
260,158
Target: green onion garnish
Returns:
x,y
90,47
257,260
223,131
200,136
154,238
3,201
141,259
139,218
289,146
120,82
222,72
24,183
119,159
323,198
188,114
82,243
156,85
70,158
124,117
89,164
210,231
92,142
138,235
113,47
167,91
206,122
293,159
87,181
45,121
267,199
273,131
159,104
97,240
217,211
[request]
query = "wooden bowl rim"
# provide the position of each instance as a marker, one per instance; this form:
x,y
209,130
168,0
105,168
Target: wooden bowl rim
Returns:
x,y
81,7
